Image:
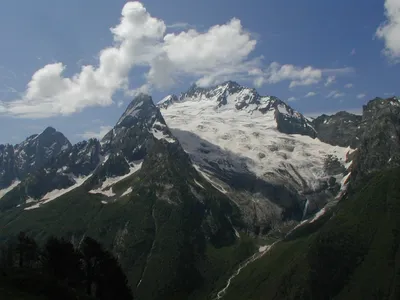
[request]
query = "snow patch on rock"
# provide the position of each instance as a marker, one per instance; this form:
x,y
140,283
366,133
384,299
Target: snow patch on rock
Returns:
x,y
13,185
107,185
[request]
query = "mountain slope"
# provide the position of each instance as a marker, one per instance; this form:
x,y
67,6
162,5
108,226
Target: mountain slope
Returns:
x,y
354,255
346,252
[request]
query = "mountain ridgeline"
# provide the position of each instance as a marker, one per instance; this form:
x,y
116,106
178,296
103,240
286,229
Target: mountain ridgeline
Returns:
x,y
184,191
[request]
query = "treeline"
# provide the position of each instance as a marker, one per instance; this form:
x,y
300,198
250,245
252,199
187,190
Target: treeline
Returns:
x,y
58,270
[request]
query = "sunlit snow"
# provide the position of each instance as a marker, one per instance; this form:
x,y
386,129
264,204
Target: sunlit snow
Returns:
x,y
50,196
127,192
246,140
8,189
106,187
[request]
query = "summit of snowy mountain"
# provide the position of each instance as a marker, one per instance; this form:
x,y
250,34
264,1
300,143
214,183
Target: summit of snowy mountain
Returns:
x,y
137,129
230,96
258,149
168,101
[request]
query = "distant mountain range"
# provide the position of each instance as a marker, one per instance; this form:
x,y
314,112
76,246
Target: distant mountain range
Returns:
x,y
185,190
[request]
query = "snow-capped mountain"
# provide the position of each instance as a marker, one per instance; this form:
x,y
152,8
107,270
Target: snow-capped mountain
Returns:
x,y
182,186
257,150
231,96
144,199
96,165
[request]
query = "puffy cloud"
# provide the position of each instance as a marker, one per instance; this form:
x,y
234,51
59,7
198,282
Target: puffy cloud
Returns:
x,y
310,94
361,96
223,52
389,31
49,93
179,25
335,94
220,52
103,130
331,79
296,75
291,99
348,86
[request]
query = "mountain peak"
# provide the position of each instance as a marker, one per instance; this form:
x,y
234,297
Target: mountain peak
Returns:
x,y
168,101
230,84
48,131
231,96
140,102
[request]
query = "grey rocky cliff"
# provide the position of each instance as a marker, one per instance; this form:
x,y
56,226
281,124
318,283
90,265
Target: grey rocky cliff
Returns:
x,y
17,162
380,142
342,129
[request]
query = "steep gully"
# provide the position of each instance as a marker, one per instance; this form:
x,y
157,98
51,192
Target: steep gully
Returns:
x,y
151,249
261,252
253,258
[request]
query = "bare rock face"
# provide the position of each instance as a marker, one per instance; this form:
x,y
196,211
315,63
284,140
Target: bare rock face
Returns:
x,y
16,162
379,146
342,129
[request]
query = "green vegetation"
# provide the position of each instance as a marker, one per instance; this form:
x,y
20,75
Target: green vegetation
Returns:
x,y
352,254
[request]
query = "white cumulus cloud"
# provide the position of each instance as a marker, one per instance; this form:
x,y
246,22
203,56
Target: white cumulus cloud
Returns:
x,y
49,93
291,99
348,86
223,52
389,31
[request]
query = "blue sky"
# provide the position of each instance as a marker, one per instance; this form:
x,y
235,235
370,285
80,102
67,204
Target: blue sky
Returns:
x,y
285,48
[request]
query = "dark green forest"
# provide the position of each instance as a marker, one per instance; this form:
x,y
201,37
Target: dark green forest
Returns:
x,y
58,270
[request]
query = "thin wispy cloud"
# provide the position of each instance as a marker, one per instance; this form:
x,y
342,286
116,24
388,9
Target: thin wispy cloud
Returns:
x,y
297,76
179,25
330,80
389,94
310,94
335,94
361,96
98,134
348,86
